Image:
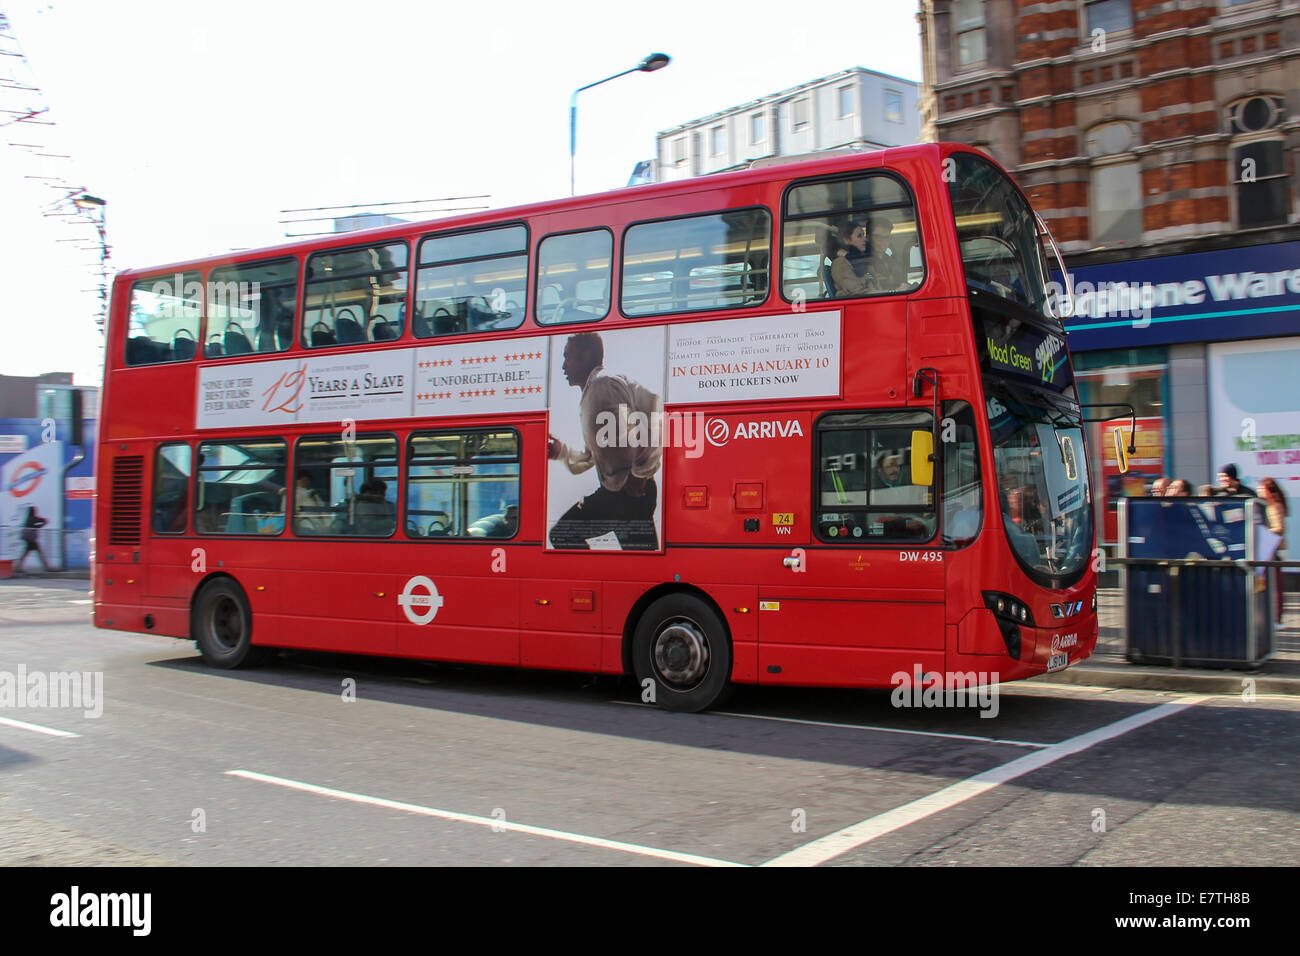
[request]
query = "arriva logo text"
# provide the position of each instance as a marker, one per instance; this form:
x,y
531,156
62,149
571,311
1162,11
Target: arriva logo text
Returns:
x,y
719,432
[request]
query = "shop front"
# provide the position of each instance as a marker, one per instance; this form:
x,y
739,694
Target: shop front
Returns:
x,y
1206,348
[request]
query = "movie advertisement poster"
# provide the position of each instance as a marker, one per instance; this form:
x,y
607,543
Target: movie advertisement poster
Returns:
x,y
604,482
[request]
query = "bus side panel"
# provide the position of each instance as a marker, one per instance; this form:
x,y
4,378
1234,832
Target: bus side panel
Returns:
x,y
850,643
560,624
476,622
350,611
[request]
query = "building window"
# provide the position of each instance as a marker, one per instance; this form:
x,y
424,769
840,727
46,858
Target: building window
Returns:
x,y
1137,377
717,140
1259,161
679,150
1259,173
1111,16
969,26
893,106
756,132
844,101
1115,184
800,113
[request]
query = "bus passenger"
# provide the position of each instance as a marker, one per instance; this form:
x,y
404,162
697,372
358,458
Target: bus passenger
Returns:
x,y
310,513
849,271
888,269
373,513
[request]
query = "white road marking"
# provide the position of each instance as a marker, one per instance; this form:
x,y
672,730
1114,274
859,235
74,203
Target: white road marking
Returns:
x,y
36,728
883,730
80,601
851,837
481,821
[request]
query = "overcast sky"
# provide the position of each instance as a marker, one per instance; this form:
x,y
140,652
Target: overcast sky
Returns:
x,y
200,122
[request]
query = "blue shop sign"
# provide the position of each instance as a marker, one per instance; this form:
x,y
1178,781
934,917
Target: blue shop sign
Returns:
x,y
1247,293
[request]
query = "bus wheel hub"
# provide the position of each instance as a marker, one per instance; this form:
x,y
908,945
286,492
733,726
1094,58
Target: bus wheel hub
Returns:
x,y
681,653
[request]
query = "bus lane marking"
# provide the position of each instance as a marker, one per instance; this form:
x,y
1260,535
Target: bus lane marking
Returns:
x,y
36,728
492,822
858,834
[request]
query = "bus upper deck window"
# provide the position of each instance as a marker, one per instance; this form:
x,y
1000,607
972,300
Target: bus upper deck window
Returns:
x,y
251,307
354,296
164,322
847,238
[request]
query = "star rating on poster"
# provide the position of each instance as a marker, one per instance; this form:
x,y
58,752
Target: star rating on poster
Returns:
x,y
478,360
432,396
522,356
528,390
435,363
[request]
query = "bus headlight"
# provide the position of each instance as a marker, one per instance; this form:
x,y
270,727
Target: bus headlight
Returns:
x,y
1008,608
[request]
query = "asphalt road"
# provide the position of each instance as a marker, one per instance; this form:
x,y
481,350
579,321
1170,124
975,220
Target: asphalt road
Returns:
x,y
442,764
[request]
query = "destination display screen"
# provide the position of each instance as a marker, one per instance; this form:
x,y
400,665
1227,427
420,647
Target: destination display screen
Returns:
x,y
1013,350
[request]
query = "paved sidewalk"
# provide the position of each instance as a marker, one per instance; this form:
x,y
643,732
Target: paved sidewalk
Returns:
x,y
1279,674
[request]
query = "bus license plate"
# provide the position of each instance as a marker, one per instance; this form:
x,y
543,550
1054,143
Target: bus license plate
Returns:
x,y
1057,661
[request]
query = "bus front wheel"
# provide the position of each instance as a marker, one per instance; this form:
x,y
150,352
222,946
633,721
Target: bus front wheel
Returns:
x,y
222,626
681,654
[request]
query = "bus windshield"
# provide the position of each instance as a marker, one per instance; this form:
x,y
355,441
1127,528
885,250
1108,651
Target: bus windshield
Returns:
x,y
1043,488
997,232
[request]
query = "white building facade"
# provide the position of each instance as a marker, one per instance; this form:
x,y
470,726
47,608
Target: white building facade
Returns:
x,y
856,107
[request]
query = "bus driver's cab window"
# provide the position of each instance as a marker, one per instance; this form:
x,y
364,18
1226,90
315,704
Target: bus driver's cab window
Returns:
x,y
866,489
850,238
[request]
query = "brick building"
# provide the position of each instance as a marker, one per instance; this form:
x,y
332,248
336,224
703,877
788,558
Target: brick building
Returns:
x,y
1160,140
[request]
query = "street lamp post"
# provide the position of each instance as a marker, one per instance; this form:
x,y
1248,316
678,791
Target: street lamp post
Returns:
x,y
655,61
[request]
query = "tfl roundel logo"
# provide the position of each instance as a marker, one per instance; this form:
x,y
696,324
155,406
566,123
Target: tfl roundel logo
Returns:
x,y
26,479
420,608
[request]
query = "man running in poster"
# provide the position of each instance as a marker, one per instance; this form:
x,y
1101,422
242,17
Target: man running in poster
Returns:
x,y
624,502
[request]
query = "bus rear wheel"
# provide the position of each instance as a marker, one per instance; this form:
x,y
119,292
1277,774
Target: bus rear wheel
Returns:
x,y
681,647
222,626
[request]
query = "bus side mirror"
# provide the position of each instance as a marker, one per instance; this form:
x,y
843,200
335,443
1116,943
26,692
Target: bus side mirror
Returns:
x,y
1121,452
922,458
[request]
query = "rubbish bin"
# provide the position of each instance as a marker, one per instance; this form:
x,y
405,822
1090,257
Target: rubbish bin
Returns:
x,y
1189,598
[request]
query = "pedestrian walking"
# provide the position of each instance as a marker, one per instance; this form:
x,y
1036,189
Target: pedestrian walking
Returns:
x,y
31,540
1275,512
1230,486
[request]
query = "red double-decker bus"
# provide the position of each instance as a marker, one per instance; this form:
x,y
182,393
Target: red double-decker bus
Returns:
x,y
807,424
